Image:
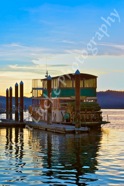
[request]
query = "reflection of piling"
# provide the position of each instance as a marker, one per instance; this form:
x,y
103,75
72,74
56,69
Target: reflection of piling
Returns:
x,y
9,144
16,142
21,101
78,163
21,137
10,102
16,102
49,110
77,98
7,103
49,154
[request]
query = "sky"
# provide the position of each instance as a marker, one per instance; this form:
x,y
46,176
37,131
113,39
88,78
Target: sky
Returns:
x,y
61,36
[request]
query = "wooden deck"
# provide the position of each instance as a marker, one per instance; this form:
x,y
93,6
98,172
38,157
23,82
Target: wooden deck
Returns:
x,y
10,123
54,127
58,128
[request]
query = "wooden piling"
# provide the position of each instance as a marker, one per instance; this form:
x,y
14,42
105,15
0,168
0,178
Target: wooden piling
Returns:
x,y
77,98
49,103
10,103
21,101
16,102
7,103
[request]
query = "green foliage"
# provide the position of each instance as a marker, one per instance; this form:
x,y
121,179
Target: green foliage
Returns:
x,y
90,106
87,106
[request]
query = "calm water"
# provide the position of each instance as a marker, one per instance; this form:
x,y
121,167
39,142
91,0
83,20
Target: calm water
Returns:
x,y
41,158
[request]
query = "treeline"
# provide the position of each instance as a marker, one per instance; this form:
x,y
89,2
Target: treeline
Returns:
x,y
111,99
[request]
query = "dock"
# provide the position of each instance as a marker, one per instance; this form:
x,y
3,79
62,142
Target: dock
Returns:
x,y
56,128
11,123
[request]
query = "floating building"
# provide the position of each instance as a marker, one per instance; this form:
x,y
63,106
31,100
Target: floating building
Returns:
x,y
69,99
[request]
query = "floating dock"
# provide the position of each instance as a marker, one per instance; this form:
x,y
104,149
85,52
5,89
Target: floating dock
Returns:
x,y
54,127
10,123
57,128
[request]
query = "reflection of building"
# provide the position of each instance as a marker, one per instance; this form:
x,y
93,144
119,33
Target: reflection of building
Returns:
x,y
68,157
63,98
48,157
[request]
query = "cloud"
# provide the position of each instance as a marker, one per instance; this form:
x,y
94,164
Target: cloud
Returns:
x,y
112,45
68,42
15,52
12,45
19,61
112,49
102,48
35,60
47,7
17,67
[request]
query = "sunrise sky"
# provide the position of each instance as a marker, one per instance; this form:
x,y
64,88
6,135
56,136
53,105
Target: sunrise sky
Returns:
x,y
65,35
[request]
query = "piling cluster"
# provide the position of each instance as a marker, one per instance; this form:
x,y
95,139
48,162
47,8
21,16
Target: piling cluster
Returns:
x,y
19,103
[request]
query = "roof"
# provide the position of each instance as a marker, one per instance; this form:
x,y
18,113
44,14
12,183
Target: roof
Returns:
x,y
72,76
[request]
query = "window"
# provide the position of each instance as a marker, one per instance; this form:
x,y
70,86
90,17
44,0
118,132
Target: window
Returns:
x,y
81,83
45,84
68,83
55,83
90,83
37,93
36,83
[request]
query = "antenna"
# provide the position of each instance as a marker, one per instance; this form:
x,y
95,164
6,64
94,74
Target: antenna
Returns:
x,y
46,69
47,74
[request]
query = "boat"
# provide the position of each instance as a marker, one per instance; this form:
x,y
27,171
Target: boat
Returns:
x,y
66,99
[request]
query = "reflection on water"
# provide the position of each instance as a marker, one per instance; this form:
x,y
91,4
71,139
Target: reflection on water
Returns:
x,y
37,157
42,158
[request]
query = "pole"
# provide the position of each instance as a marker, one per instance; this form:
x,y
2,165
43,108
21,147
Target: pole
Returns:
x,y
10,94
7,103
49,110
77,97
16,102
21,101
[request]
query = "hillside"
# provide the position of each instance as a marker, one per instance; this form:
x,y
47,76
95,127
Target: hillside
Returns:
x,y
111,99
27,102
107,99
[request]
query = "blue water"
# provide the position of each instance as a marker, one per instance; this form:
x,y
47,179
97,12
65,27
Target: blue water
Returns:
x,y
35,157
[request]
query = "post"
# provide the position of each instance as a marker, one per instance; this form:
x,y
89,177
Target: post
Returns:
x,y
7,103
77,98
49,103
10,103
16,102
21,101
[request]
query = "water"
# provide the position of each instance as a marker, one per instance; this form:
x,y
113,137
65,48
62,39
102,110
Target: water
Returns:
x,y
27,116
34,157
